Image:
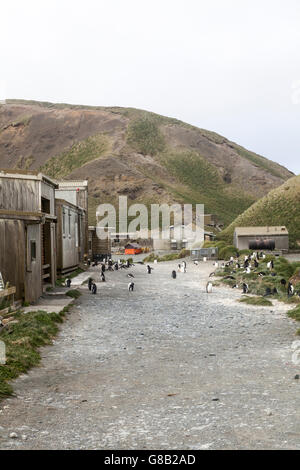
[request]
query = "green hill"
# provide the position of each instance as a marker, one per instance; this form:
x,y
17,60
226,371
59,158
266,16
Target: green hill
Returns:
x,y
280,207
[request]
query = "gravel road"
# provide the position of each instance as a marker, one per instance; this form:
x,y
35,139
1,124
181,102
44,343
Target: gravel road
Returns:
x,y
165,367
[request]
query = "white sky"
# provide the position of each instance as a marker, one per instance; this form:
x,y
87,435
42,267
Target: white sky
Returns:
x,y
231,66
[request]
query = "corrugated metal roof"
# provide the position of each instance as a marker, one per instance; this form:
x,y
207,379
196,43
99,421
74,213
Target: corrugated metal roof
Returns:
x,y
261,231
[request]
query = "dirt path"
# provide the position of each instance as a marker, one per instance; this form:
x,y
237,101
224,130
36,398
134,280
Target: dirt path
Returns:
x,y
166,367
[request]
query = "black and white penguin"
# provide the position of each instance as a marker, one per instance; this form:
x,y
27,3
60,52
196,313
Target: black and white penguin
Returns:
x,y
94,288
245,288
196,262
103,277
209,287
90,282
68,282
290,289
131,286
149,269
130,275
174,274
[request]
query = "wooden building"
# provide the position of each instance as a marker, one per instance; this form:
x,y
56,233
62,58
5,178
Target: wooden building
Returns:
x,y
75,192
27,232
261,238
71,237
99,248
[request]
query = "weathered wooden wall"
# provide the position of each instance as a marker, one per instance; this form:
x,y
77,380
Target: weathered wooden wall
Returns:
x,y
19,195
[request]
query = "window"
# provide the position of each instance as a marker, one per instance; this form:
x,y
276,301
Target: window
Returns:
x,y
45,205
32,250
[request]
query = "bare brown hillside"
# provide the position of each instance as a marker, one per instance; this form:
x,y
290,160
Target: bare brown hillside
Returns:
x,y
146,156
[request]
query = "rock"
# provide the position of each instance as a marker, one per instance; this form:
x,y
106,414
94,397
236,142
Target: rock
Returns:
x,y
215,399
13,435
7,320
24,437
297,377
269,412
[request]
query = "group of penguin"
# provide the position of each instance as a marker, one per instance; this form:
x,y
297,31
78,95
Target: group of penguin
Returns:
x,y
255,257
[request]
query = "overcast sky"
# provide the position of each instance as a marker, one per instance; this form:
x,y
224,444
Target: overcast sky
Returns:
x,y
231,66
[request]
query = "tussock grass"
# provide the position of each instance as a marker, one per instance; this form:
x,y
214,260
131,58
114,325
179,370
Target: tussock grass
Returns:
x,y
261,301
295,313
80,153
169,257
144,136
23,340
74,293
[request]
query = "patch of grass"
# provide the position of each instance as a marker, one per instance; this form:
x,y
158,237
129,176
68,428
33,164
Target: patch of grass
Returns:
x,y
144,136
261,301
295,313
198,182
80,153
169,257
74,293
22,341
60,281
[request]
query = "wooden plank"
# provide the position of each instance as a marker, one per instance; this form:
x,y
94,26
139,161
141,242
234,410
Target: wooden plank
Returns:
x,y
6,292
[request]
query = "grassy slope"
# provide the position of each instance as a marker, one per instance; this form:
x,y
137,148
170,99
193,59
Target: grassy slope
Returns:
x,y
197,181
80,153
280,207
23,340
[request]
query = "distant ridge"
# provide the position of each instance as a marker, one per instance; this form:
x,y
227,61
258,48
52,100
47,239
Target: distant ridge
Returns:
x,y
126,151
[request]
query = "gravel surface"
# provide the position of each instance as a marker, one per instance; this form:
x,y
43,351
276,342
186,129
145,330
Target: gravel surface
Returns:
x,y
165,367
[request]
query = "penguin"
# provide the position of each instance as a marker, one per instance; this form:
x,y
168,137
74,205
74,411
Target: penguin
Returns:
x,y
184,264
131,286
268,292
275,291
90,282
116,266
149,269
179,267
130,275
103,277
283,282
290,289
94,288
236,286
212,274
245,288
256,264
209,287
196,263
68,282
174,274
